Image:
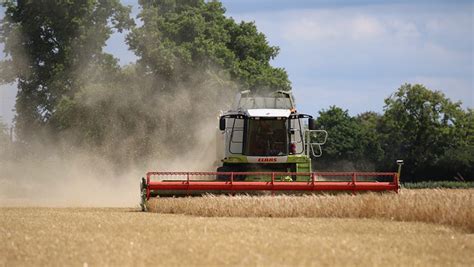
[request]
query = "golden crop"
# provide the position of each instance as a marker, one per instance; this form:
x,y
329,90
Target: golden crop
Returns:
x,y
439,206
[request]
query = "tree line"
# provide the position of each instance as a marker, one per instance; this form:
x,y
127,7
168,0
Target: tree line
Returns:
x,y
192,58
433,135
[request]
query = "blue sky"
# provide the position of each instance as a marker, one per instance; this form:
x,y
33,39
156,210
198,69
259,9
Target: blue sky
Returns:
x,y
353,54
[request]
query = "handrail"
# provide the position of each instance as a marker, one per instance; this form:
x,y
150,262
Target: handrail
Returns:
x,y
310,145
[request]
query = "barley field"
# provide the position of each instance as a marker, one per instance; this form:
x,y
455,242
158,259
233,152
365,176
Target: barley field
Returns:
x,y
413,228
452,207
127,237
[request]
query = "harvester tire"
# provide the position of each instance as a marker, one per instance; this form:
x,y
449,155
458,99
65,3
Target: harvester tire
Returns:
x,y
223,177
143,200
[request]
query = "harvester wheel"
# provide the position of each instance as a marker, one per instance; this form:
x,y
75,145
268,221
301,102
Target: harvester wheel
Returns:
x,y
226,177
221,177
143,202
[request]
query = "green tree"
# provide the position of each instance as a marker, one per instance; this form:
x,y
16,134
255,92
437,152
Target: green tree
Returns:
x,y
192,58
345,140
5,140
458,161
116,118
191,41
52,48
424,128
4,133
370,139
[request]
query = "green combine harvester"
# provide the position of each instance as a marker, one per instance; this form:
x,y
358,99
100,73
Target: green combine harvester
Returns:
x,y
265,145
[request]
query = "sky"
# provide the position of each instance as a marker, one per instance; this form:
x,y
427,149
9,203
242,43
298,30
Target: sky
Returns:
x,y
352,54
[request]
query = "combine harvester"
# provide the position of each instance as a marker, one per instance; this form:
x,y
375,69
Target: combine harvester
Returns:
x,y
267,146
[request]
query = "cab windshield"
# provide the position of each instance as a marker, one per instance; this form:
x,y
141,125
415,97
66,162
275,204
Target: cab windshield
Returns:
x,y
267,137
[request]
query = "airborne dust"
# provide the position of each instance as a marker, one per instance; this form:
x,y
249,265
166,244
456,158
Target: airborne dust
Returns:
x,y
80,178
57,174
59,170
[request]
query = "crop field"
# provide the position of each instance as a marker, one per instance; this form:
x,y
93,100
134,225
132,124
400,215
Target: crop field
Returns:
x,y
416,227
441,206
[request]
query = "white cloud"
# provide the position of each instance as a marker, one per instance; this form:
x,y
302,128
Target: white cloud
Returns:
x,y
402,29
366,27
340,55
455,88
317,26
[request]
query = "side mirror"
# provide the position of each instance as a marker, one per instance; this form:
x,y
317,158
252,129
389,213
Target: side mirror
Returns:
x,y
312,124
222,124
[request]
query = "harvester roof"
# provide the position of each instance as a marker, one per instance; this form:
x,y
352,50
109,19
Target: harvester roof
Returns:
x,y
275,100
269,113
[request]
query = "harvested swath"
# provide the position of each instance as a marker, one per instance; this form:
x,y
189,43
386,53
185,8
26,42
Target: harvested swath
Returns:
x,y
441,206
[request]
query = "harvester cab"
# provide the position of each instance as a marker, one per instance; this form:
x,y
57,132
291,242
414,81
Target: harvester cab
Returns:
x,y
266,133
266,145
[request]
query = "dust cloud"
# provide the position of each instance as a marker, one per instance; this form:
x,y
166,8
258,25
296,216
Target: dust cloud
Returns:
x,y
109,128
84,179
57,173
141,128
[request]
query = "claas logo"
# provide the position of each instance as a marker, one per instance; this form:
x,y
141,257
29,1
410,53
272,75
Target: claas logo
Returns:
x,y
267,160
